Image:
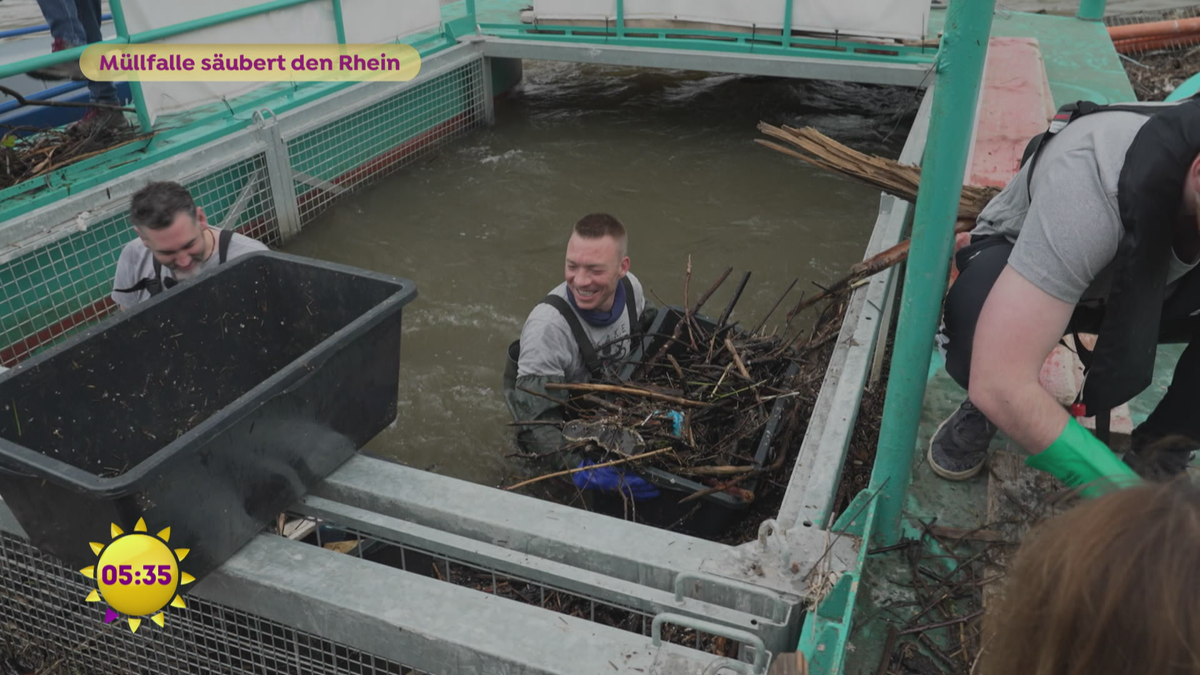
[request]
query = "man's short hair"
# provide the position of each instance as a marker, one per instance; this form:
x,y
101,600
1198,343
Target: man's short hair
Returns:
x,y
156,205
596,225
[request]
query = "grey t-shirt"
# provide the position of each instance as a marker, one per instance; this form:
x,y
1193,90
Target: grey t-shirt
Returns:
x,y
137,263
548,347
1069,235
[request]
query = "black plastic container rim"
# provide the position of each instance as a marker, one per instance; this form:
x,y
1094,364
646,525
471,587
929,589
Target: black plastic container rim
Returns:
x,y
33,464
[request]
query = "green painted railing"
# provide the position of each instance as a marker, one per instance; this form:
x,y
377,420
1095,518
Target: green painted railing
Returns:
x,y
135,87
124,37
1091,10
959,74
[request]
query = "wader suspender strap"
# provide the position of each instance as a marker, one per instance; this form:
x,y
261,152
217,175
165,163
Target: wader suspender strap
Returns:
x,y
158,284
591,359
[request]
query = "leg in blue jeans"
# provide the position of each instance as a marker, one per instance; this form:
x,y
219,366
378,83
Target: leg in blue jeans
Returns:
x,y
64,21
89,16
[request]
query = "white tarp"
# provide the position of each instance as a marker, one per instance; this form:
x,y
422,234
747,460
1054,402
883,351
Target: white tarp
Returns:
x,y
365,22
900,19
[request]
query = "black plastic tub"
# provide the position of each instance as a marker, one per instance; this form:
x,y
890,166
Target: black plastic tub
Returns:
x,y
709,515
208,409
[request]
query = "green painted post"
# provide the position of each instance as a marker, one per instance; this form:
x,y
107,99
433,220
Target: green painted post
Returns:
x,y
787,23
135,87
1091,10
959,67
471,14
620,19
338,22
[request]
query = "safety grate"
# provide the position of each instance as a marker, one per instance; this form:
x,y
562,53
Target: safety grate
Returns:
x,y
359,149
351,541
44,607
49,293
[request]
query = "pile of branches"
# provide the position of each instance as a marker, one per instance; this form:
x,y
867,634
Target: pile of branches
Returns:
x,y
701,395
23,158
1154,76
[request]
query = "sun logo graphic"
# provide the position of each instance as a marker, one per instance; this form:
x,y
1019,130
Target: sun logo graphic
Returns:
x,y
137,575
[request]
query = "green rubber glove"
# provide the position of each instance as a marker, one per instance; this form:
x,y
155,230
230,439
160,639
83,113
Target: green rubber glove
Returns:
x,y
1078,458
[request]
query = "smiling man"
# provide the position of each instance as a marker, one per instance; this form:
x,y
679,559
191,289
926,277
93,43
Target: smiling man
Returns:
x,y
175,243
582,329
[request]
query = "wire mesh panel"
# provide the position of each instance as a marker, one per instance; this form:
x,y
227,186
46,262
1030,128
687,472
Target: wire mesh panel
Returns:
x,y
44,608
371,143
49,293
352,541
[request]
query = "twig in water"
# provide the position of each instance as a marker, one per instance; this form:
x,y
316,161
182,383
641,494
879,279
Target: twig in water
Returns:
x,y
774,307
568,472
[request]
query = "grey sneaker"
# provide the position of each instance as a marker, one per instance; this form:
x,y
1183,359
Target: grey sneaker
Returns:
x,y
958,449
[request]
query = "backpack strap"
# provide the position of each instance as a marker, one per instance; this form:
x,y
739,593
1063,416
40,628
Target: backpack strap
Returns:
x,y
1066,114
223,240
590,358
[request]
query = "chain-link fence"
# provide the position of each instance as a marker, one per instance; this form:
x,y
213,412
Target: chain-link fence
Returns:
x,y
363,147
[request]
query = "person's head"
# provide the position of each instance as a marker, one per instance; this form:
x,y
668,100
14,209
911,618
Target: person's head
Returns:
x,y
171,226
596,260
1111,587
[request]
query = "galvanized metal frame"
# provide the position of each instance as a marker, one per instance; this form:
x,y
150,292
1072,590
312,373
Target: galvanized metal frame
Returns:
x,y
814,482
775,630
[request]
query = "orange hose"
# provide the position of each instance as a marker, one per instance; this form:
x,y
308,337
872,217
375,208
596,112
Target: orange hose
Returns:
x,y
1154,29
1150,44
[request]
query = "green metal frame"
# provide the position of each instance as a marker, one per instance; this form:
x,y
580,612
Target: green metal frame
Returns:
x,y
339,22
135,86
959,75
1091,10
716,41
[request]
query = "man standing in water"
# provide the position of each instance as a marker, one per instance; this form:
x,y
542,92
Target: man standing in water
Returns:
x,y
581,329
175,243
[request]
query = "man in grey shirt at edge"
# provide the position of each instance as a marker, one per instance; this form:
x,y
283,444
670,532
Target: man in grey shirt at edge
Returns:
x,y
174,243
1052,250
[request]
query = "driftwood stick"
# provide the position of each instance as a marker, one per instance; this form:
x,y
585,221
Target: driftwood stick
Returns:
x,y
675,365
736,295
692,310
720,470
614,389
723,486
942,624
737,360
568,472
774,307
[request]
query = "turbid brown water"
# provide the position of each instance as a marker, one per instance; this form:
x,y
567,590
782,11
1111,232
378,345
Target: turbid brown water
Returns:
x,y
482,226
